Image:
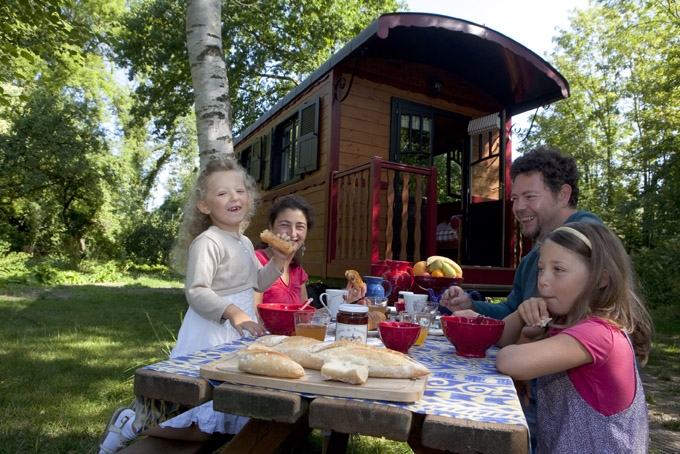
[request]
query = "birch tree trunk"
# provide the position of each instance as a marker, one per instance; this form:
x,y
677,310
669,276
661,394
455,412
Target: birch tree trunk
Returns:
x,y
209,77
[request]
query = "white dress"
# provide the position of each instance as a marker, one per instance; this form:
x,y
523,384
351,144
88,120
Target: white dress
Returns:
x,y
198,333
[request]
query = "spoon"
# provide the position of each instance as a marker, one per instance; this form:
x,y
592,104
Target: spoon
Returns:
x,y
307,303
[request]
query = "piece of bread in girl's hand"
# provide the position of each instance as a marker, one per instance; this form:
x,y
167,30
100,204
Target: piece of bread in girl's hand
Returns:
x,y
269,363
354,279
285,246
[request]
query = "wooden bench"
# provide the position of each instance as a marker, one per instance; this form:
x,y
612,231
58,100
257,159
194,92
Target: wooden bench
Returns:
x,y
151,445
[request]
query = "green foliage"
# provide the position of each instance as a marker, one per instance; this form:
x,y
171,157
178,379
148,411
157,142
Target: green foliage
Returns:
x,y
150,240
621,124
59,175
270,47
33,31
659,273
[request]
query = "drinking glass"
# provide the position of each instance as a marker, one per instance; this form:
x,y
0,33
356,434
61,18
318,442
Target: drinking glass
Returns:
x,y
312,324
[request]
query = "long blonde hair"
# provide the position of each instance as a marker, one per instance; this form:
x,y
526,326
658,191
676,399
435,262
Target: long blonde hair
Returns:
x,y
616,302
194,222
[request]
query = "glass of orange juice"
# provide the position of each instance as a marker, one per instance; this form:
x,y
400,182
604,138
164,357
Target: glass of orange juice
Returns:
x,y
425,320
312,324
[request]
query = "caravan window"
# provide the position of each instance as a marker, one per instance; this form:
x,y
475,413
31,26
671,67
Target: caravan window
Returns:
x,y
294,148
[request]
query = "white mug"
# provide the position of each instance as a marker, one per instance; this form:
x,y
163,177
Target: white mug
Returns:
x,y
411,299
332,299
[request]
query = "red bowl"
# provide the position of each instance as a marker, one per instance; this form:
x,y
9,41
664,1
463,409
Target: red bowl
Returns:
x,y
278,318
399,336
472,336
435,283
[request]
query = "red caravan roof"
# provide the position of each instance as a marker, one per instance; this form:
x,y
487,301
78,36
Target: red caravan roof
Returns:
x,y
515,76
511,73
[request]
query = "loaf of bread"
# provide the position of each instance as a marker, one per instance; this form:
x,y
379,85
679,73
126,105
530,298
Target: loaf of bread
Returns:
x,y
312,354
375,317
285,246
354,279
269,363
382,362
348,370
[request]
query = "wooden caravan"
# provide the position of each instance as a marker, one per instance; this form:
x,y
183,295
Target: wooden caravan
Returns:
x,y
401,143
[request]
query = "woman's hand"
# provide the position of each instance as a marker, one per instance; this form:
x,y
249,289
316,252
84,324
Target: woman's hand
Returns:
x,y
354,294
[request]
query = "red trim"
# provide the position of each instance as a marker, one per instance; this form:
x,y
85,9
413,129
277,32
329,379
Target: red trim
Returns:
x,y
488,276
376,171
431,213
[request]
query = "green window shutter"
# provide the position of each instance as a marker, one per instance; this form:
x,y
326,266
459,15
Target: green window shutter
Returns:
x,y
266,160
308,152
256,160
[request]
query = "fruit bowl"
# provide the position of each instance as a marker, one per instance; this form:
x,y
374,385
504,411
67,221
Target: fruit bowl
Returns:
x,y
472,336
278,318
435,286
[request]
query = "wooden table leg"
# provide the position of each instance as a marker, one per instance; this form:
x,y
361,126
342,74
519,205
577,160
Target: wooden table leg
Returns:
x,y
415,436
266,437
336,443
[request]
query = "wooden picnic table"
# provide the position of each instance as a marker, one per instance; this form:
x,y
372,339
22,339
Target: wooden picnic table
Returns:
x,y
468,406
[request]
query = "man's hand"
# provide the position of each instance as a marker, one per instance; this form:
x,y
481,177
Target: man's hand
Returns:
x,y
455,299
466,313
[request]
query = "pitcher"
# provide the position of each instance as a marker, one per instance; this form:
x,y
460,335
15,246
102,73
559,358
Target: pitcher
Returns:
x,y
400,275
377,287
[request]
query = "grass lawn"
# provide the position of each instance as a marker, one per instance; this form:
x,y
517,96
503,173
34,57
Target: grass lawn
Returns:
x,y
69,354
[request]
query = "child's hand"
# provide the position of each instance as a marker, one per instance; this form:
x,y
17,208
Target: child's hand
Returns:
x,y
280,258
534,311
523,388
243,324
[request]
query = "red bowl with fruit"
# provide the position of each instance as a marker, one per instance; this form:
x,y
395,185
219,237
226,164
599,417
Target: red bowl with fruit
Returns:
x,y
472,336
278,318
436,285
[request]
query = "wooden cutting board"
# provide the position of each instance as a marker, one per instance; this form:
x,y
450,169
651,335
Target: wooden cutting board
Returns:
x,y
387,389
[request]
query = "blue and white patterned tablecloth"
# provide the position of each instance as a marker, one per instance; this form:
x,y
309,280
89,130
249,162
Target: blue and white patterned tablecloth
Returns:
x,y
458,387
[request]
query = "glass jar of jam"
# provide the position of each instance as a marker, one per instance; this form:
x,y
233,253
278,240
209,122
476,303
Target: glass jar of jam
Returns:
x,y
352,323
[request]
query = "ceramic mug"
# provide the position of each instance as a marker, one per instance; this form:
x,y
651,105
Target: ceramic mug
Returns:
x,y
411,299
332,299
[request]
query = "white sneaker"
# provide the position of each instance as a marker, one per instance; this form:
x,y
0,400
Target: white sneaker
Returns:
x,y
112,439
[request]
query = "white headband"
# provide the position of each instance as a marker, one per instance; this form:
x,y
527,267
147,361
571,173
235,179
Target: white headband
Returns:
x,y
577,234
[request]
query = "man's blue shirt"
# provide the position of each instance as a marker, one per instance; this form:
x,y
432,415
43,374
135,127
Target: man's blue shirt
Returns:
x,y
526,278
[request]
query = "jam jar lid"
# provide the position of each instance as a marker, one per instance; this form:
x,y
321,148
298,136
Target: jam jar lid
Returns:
x,y
353,308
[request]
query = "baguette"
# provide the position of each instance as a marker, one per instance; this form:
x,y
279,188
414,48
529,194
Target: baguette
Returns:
x,y
296,347
347,370
382,362
312,354
269,363
285,246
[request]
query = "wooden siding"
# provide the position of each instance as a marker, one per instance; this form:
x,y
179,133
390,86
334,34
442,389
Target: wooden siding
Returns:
x,y
364,132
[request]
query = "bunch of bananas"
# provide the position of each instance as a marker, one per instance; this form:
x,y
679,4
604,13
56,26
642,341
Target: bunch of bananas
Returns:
x,y
437,264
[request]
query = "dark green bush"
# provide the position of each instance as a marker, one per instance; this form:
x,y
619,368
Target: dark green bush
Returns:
x,y
659,273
